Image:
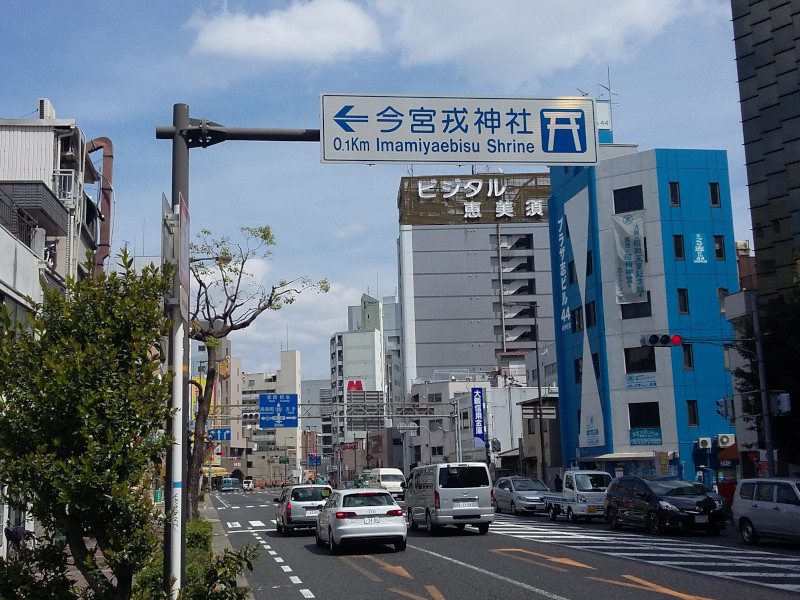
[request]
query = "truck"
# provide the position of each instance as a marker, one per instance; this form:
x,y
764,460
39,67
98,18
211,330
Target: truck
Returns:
x,y
583,496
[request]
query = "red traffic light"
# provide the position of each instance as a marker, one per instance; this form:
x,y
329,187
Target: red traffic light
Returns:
x,y
676,340
661,339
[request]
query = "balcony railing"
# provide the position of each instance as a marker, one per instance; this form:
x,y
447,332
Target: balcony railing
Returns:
x,y
65,185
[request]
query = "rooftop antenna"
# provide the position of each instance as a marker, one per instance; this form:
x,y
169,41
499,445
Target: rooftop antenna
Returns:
x,y
584,94
610,103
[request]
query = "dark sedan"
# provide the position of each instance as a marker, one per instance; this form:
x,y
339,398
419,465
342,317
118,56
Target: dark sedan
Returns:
x,y
661,504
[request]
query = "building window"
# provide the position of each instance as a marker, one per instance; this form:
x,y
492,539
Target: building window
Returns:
x,y
636,310
683,301
573,275
674,194
688,357
531,426
596,364
726,357
591,317
719,247
437,397
437,451
713,191
691,413
721,294
577,319
640,359
589,265
628,199
644,415
677,244
578,370
436,425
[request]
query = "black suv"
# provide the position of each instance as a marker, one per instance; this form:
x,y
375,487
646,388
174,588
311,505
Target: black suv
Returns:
x,y
658,504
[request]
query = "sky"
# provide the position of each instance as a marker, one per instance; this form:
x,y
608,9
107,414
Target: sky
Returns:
x,y
117,69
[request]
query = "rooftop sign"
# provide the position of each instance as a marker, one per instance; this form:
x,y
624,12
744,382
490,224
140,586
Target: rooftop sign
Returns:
x,y
457,130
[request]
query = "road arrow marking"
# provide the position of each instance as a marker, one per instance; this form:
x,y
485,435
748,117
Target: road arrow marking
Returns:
x,y
555,559
391,568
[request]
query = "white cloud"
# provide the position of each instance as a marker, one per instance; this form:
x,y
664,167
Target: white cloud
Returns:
x,y
307,326
517,42
320,31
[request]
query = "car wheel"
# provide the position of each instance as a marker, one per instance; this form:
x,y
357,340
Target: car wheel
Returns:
x,y
412,524
483,528
400,546
278,526
653,524
571,516
514,509
286,530
552,512
613,519
749,534
432,529
461,527
332,545
497,508
320,543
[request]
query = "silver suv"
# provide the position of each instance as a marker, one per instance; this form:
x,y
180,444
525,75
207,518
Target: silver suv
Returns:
x,y
767,507
298,506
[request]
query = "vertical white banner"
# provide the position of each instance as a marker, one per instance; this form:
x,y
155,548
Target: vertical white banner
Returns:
x,y
629,241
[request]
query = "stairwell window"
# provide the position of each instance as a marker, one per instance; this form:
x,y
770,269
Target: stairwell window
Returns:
x,y
674,194
683,301
719,247
688,358
577,319
591,317
692,415
677,244
578,370
713,192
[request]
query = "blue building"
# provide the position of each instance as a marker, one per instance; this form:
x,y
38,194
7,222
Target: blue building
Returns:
x,y
642,243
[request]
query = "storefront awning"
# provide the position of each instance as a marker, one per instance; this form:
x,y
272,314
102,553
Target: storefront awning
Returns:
x,y
729,453
625,456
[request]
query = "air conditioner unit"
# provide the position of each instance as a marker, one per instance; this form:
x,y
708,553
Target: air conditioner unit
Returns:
x,y
725,440
704,443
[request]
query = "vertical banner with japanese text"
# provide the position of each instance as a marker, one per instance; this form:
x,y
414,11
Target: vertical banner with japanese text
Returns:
x,y
629,242
477,418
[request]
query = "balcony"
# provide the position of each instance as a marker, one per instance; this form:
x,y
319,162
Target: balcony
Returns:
x,y
38,201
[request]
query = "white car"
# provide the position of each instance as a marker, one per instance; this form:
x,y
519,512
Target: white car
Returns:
x,y
368,515
247,485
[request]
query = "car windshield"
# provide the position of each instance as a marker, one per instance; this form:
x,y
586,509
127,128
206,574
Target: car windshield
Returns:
x,y
528,485
592,482
393,478
464,477
677,487
367,499
310,494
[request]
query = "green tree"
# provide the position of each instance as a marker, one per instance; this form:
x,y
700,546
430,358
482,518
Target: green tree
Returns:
x,y
81,405
227,297
780,325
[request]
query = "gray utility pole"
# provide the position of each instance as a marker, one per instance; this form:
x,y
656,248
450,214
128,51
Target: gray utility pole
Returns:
x,y
187,133
766,409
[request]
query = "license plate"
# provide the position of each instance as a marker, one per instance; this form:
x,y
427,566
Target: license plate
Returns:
x,y
312,513
467,504
372,519
701,519
591,511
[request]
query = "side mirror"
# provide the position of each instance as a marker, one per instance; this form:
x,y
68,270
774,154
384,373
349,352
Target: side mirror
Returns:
x,y
276,499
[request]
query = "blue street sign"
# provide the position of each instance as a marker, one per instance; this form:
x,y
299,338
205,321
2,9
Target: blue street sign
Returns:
x,y
277,410
222,434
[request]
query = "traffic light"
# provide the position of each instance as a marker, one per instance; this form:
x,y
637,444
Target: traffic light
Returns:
x,y
724,408
661,339
248,416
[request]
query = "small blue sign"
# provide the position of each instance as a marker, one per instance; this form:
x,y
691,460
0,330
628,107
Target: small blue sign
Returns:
x,y
277,410
477,418
222,434
563,130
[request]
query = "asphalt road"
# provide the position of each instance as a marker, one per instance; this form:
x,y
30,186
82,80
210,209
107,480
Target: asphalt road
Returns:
x,y
521,557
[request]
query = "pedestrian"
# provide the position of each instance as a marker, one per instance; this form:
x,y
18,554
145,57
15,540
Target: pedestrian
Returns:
x,y
558,485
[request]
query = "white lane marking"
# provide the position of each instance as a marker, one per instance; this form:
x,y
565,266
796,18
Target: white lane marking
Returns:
x,y
295,579
286,569
257,524
307,593
233,525
524,586
278,559
272,553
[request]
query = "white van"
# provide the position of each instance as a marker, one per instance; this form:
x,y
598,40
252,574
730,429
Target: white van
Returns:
x,y
388,479
457,494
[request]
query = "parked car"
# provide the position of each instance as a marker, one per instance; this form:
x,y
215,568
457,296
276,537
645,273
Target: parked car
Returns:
x,y
298,505
658,504
360,515
718,498
247,485
767,507
519,495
